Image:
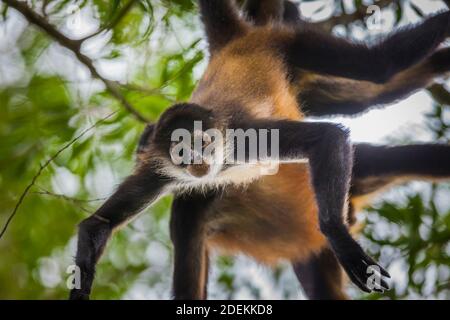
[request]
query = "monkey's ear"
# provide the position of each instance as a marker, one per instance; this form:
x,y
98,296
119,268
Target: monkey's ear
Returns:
x,y
144,141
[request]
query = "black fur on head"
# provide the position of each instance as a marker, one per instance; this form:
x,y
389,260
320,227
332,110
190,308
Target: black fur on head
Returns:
x,y
179,116
145,138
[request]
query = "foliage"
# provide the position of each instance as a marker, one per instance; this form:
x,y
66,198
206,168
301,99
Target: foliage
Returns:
x,y
154,49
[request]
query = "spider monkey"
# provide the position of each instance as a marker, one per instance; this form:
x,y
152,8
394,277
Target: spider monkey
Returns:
x,y
268,69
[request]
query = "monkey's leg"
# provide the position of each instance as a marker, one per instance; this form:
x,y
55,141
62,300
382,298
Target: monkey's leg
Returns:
x,y
321,276
374,168
329,152
132,195
222,23
261,12
377,166
188,230
421,161
322,53
324,95
291,14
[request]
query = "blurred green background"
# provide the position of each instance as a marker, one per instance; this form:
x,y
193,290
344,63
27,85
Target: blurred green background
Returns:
x,y
149,54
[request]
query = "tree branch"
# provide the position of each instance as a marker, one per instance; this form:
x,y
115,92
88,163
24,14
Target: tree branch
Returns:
x,y
75,47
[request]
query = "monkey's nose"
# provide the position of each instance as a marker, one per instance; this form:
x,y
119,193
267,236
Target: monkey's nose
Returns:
x,y
198,170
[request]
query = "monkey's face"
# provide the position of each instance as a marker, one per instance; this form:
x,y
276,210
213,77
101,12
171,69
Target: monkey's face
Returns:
x,y
187,141
190,152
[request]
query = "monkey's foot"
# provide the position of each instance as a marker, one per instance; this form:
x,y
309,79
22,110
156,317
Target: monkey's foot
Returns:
x,y
362,270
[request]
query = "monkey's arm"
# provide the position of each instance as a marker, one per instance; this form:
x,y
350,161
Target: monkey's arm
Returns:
x,y
324,95
188,234
133,194
322,53
329,152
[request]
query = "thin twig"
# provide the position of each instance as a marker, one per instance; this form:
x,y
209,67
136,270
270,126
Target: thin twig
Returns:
x,y
45,165
45,3
63,196
154,91
157,90
75,47
127,7
77,202
146,91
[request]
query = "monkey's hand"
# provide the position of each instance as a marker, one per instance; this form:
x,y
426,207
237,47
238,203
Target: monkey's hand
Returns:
x,y
76,294
362,270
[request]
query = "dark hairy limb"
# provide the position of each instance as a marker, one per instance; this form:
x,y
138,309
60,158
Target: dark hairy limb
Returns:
x,y
329,152
291,14
188,233
325,96
261,12
222,24
376,166
322,53
321,276
379,166
137,191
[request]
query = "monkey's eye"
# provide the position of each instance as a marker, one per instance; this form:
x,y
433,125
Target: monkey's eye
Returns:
x,y
180,153
200,139
183,154
206,140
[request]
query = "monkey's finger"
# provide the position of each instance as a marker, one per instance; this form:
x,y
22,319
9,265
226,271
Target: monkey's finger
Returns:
x,y
384,272
370,262
384,285
356,280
